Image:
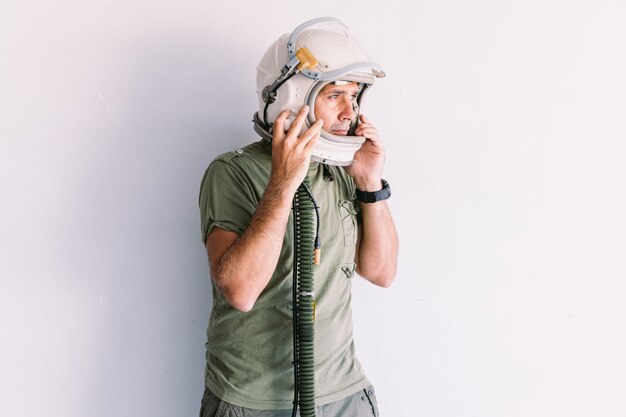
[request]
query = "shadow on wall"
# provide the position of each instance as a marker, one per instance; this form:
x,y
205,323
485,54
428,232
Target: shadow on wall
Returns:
x,y
175,104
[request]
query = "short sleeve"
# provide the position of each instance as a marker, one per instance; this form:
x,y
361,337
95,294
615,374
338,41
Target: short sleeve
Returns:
x,y
226,199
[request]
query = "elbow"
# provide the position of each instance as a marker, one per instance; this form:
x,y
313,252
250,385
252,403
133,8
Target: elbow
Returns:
x,y
380,277
241,306
236,294
238,298
385,280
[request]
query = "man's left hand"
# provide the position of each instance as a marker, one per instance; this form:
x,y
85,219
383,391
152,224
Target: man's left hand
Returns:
x,y
367,167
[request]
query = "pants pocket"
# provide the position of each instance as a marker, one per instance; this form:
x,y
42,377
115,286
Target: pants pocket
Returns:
x,y
370,395
228,410
214,407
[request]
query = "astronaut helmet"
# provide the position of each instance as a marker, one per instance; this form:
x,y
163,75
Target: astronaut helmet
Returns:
x,y
298,65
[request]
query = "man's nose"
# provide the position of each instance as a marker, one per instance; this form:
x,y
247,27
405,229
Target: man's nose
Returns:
x,y
347,111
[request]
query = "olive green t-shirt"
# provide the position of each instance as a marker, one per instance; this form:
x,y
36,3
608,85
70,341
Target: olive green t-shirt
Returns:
x,y
249,355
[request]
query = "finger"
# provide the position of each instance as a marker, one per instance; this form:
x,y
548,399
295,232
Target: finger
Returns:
x,y
297,124
314,130
370,134
308,147
279,123
362,126
364,119
366,130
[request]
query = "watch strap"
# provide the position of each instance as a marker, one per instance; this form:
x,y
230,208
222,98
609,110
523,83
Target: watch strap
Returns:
x,y
374,196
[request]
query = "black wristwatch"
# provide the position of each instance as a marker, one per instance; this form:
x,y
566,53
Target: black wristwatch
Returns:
x,y
372,197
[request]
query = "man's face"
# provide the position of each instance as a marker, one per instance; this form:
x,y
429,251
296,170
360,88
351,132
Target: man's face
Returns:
x,y
334,105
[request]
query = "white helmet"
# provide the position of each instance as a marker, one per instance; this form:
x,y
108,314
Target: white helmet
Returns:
x,y
298,65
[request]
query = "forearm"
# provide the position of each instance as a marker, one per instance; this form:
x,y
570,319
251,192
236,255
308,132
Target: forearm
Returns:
x,y
247,265
242,266
377,250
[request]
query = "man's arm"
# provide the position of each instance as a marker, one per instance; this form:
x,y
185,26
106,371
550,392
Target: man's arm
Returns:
x,y
232,257
377,245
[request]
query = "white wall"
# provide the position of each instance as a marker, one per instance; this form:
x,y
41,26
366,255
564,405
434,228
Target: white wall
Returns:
x,y
504,125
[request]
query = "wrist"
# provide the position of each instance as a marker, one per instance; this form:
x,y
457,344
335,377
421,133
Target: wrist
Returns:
x,y
281,191
382,192
369,185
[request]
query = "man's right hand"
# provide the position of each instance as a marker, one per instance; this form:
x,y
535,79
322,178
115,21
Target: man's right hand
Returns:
x,y
291,151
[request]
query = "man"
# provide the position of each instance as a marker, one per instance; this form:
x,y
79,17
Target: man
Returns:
x,y
246,206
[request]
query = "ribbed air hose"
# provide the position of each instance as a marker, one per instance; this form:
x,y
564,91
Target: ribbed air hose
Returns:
x,y
304,308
